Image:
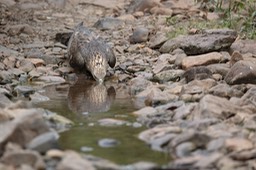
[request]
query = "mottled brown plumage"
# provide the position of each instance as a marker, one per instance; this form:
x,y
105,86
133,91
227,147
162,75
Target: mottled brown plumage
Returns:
x,y
89,53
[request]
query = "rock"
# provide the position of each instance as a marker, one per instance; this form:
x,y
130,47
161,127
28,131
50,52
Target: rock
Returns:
x,y
36,61
57,3
236,56
127,17
228,163
201,60
7,52
26,125
224,90
37,98
219,68
111,122
100,163
138,84
108,4
157,40
10,62
208,41
183,163
183,111
4,102
244,155
244,46
216,107
34,6
108,143
145,111
18,29
238,144
63,37
247,98
139,35
36,44
43,142
8,2
198,86
56,121
141,166
17,157
55,153
242,72
163,63
199,139
74,161
153,96
143,5
51,79
198,73
159,136
108,23
86,149
215,144
161,11
169,75
185,149
26,65
209,160
24,91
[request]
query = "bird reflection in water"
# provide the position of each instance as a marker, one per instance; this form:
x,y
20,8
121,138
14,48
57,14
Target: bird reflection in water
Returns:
x,y
88,96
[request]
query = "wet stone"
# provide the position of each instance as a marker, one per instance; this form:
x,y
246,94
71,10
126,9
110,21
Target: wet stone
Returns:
x,y
111,122
43,142
86,149
108,143
24,90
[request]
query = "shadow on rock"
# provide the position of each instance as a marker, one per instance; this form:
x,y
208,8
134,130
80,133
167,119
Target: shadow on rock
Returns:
x,y
89,96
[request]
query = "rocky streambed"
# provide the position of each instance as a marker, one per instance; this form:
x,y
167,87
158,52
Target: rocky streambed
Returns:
x,y
194,93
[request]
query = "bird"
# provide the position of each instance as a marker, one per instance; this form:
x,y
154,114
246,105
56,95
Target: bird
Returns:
x,y
89,53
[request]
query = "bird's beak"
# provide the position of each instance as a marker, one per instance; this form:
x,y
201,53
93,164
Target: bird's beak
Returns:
x,y
100,81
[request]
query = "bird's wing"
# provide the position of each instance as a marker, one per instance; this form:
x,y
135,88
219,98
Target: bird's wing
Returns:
x,y
109,52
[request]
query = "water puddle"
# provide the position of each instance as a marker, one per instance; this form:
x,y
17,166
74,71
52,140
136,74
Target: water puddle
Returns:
x,y
86,103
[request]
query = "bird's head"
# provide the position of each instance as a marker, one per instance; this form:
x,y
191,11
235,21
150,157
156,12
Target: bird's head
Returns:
x,y
98,66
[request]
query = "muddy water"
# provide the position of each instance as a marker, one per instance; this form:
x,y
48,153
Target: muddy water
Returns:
x,y
85,103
